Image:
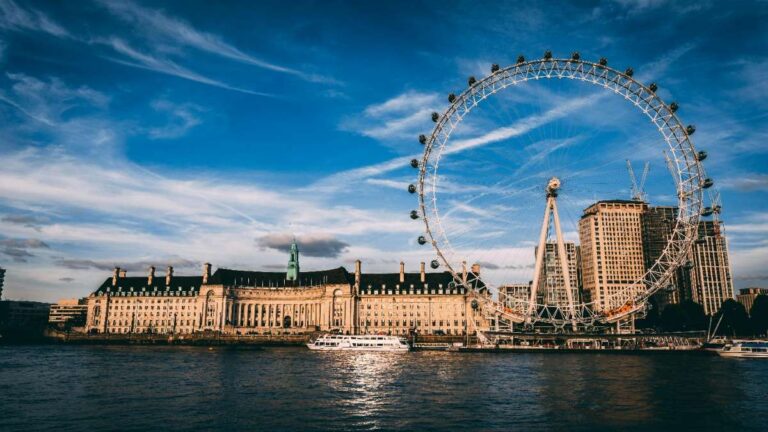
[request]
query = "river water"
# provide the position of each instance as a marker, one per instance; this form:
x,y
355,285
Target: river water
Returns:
x,y
65,387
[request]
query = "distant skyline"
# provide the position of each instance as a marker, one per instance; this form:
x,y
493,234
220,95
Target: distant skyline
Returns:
x,y
140,133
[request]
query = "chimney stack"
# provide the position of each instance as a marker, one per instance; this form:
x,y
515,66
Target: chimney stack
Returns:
x,y
476,269
123,273
206,272
402,272
464,272
151,276
168,275
115,275
358,271
421,271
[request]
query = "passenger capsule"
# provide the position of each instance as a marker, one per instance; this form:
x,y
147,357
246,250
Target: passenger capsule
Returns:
x,y
520,59
494,68
706,211
700,156
415,163
414,214
423,139
690,129
411,188
471,81
435,117
547,55
422,240
434,264
603,61
708,182
575,56
717,209
673,107
451,97
475,304
629,72
653,87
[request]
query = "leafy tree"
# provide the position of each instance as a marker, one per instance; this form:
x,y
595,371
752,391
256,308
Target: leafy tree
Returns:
x,y
652,316
672,318
686,316
695,317
759,315
735,319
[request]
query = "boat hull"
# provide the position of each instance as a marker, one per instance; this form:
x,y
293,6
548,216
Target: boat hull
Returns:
x,y
351,348
731,354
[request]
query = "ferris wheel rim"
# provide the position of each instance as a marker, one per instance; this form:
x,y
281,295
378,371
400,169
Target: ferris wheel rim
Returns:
x,y
688,182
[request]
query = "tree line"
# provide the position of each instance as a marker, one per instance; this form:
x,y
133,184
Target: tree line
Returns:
x,y
690,316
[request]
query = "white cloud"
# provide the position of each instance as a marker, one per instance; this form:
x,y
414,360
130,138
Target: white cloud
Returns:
x,y
165,66
154,24
183,118
14,17
401,118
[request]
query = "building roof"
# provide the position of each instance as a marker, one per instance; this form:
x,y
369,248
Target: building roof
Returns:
x,y
391,281
231,277
139,284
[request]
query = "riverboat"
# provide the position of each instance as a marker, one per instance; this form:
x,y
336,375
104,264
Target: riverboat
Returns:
x,y
359,343
745,349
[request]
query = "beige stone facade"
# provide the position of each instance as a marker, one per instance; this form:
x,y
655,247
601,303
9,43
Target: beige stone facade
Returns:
x,y
250,303
612,251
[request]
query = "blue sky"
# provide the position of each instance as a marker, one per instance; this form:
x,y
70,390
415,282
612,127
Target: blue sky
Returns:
x,y
137,133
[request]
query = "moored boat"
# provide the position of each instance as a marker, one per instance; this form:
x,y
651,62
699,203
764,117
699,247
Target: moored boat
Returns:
x,y
359,343
745,349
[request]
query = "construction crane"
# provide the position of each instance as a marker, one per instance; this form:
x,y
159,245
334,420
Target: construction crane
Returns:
x,y
638,191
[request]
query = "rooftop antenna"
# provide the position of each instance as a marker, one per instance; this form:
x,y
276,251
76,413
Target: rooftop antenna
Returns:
x,y
638,191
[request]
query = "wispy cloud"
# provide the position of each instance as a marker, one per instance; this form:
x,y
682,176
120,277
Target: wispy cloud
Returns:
x,y
748,182
400,118
15,17
183,118
155,24
165,66
18,249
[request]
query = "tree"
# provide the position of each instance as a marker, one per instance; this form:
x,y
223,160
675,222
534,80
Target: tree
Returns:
x,y
652,317
758,315
672,318
695,317
686,316
735,319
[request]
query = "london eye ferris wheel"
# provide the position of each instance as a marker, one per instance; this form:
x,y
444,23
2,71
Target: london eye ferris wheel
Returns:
x,y
549,137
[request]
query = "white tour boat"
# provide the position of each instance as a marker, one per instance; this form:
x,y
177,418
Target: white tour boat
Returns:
x,y
331,342
745,349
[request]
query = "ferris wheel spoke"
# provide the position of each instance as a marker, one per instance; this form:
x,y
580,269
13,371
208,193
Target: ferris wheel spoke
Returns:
x,y
475,219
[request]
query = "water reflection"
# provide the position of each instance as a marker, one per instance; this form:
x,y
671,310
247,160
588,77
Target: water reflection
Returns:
x,y
142,388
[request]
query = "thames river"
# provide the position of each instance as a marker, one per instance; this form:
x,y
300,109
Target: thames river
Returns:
x,y
55,387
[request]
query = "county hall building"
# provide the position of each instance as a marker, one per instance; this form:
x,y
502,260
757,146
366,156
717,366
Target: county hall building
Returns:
x,y
239,302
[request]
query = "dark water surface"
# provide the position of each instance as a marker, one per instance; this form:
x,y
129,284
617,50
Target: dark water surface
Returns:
x,y
51,387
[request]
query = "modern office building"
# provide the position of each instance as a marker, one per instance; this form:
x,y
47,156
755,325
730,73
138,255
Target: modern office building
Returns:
x,y
610,234
747,296
2,281
552,286
658,225
711,278
511,293
68,312
23,320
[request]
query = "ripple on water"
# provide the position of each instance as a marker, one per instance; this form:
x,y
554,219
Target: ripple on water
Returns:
x,y
189,388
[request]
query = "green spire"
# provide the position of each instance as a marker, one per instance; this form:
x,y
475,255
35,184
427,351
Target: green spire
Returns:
x,y
293,263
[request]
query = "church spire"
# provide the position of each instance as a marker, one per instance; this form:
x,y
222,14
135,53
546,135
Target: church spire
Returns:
x,y
293,263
